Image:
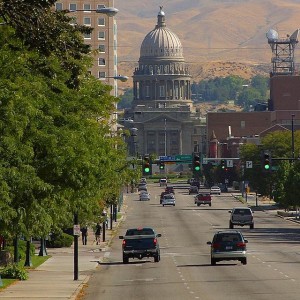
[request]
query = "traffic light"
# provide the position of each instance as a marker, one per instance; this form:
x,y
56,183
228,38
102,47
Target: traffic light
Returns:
x,y
196,163
267,161
223,164
146,165
161,165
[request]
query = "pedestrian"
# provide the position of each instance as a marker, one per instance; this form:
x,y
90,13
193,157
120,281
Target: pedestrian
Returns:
x,y
84,234
98,233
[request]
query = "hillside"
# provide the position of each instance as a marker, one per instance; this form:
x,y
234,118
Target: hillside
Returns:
x,y
219,37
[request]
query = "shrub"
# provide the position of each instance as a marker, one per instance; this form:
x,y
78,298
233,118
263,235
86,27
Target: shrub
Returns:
x,y
21,249
13,271
59,240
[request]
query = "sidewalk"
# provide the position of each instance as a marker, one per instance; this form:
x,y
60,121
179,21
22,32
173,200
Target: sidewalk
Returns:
x,y
55,278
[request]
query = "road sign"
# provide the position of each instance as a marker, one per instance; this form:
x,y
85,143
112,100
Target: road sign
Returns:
x,y
249,164
76,230
167,158
183,157
229,163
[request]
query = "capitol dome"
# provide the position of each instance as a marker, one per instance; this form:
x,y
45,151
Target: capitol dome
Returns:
x,y
161,41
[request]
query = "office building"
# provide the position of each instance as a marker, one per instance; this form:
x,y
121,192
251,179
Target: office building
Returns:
x,y
103,39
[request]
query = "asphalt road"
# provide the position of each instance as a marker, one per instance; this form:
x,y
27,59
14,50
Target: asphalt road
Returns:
x,y
184,272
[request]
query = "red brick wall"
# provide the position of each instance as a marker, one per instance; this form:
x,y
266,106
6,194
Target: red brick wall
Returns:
x,y
285,92
242,124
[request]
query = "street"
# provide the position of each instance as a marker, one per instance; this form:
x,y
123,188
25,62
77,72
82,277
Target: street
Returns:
x,y
184,271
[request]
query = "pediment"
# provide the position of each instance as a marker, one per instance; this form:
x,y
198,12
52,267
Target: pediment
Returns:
x,y
162,119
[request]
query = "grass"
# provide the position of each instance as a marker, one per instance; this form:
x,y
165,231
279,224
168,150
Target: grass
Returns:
x,y
6,283
36,261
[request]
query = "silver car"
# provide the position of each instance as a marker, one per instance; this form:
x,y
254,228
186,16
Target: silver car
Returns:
x,y
228,245
215,190
144,196
168,199
241,216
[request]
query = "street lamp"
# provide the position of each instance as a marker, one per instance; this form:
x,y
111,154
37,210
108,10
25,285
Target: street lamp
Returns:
x,y
293,138
118,77
109,11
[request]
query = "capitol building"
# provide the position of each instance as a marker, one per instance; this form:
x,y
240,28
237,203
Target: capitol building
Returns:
x,y
164,120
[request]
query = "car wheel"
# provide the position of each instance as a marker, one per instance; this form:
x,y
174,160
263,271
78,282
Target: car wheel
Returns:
x,y
198,204
244,261
210,204
157,258
125,259
230,225
251,226
163,205
173,204
212,261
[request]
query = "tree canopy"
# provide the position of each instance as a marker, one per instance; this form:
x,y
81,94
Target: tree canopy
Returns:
x,y
58,153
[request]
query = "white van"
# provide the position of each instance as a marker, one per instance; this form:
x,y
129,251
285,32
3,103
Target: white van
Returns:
x,y
163,182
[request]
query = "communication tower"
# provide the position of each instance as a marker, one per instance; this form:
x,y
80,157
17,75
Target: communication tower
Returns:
x,y
283,60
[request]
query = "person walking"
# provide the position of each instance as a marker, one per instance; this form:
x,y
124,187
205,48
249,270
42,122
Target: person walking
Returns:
x,y
84,234
98,233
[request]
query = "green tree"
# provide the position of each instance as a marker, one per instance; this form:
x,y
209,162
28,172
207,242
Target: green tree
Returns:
x,y
57,155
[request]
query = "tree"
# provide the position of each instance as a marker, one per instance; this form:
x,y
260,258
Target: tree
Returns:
x,y
55,154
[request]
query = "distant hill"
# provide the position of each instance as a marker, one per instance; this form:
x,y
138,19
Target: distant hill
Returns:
x,y
219,37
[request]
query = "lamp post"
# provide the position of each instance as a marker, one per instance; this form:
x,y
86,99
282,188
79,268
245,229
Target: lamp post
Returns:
x,y
118,77
293,138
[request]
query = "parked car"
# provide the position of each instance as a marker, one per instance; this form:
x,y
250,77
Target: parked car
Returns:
x,y
215,190
203,198
241,216
144,196
228,245
168,199
193,190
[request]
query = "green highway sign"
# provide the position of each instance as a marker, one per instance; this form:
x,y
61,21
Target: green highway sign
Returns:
x,y
184,157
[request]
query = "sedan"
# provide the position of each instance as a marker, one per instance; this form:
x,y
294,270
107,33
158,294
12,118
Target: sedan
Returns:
x,y
215,190
193,190
228,245
144,196
168,199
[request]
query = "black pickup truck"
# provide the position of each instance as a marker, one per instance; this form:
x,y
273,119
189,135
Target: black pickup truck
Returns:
x,y
139,243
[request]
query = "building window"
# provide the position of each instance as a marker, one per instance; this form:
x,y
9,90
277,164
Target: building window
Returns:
x,y
99,6
147,91
243,124
162,91
87,7
58,6
101,62
87,36
87,21
73,6
101,21
101,35
102,75
101,48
